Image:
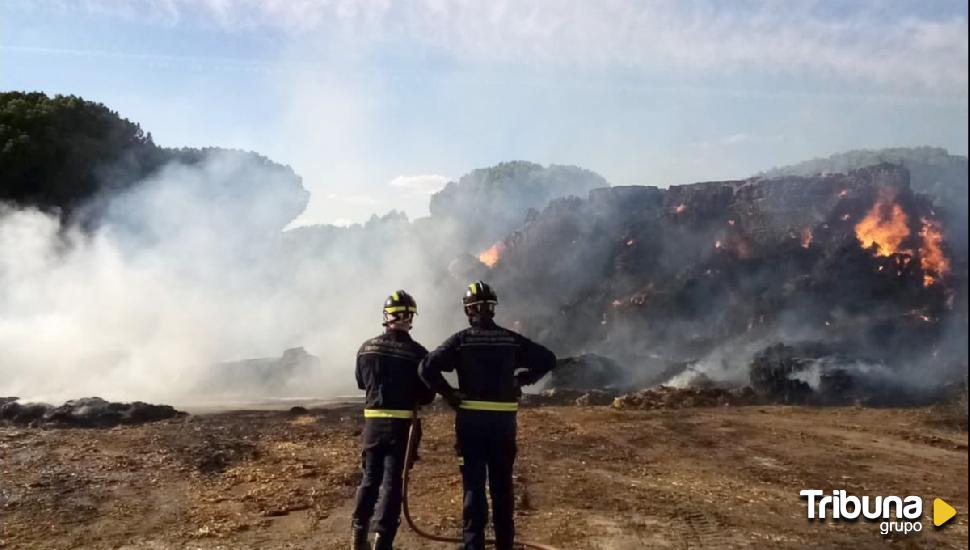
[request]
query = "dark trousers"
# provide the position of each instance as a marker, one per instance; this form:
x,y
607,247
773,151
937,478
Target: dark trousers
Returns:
x,y
486,449
385,442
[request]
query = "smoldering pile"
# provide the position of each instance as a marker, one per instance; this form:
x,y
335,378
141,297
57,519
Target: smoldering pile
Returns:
x,y
87,412
584,380
807,374
698,282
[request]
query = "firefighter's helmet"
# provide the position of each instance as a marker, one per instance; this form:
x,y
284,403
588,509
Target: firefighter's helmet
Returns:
x,y
479,299
399,306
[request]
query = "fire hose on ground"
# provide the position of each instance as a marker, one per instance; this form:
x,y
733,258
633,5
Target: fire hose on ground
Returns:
x,y
414,439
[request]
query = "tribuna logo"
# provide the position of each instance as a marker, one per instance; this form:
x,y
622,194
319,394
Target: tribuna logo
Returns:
x,y
839,505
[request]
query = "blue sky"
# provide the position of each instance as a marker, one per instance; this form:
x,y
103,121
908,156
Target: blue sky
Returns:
x,y
377,103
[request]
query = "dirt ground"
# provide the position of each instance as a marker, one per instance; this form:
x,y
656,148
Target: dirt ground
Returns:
x,y
587,478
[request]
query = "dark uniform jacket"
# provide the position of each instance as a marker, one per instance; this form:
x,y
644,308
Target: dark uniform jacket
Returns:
x,y
387,368
492,363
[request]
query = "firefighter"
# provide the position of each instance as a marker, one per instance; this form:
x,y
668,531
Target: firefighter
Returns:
x,y
492,364
387,369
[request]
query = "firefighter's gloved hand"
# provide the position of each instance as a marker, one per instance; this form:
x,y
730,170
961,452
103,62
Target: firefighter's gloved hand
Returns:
x,y
453,398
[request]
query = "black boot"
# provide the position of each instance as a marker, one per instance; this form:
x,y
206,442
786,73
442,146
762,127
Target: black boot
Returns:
x,y
382,542
360,538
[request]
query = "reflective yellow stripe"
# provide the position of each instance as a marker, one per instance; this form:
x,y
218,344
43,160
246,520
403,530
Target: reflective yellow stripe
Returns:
x,y
461,461
395,296
387,413
398,309
473,288
500,406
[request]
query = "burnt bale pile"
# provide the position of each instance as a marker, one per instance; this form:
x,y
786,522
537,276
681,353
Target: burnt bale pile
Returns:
x,y
587,372
775,371
814,374
87,412
584,380
659,277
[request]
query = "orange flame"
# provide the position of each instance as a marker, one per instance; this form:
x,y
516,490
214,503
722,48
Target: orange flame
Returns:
x,y
885,226
933,261
492,254
806,237
680,208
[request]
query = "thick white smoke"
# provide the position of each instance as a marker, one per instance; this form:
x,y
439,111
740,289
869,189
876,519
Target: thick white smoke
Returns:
x,y
191,268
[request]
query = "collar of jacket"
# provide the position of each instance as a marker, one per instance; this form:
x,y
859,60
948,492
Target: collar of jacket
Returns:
x,y
482,322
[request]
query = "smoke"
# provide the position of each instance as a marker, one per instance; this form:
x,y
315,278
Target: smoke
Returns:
x,y
190,268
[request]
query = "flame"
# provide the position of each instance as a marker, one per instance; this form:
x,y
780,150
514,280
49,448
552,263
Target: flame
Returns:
x,y
806,237
717,244
843,193
932,260
680,208
491,255
631,242
885,226
730,222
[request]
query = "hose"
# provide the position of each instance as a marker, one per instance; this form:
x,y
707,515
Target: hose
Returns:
x,y
414,439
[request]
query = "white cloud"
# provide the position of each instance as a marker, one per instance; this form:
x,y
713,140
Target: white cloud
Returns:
x,y
424,184
870,43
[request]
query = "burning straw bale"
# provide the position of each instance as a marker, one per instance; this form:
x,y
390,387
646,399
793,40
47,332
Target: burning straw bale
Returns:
x,y
87,412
